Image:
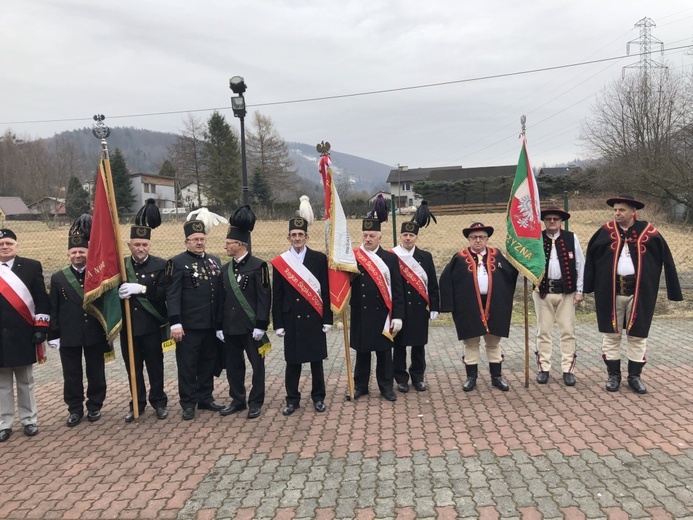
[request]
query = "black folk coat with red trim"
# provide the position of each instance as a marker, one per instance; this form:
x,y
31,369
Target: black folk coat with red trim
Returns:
x,y
459,294
304,341
16,346
416,315
368,309
649,252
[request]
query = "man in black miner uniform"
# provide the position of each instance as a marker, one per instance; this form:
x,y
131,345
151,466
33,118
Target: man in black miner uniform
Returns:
x,y
245,304
301,313
22,289
421,298
146,290
192,289
623,267
377,311
73,330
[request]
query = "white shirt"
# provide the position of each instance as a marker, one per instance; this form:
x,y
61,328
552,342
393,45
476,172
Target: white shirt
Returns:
x,y
481,273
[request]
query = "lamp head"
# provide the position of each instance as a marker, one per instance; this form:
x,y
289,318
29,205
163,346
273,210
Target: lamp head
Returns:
x,y
237,85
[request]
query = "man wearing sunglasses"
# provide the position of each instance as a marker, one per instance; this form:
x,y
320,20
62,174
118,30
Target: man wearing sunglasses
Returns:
x,y
557,294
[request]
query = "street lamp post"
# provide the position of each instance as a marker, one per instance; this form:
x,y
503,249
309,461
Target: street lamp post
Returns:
x,y
238,86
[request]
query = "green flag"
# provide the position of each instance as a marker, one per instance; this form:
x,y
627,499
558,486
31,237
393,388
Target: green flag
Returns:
x,y
524,243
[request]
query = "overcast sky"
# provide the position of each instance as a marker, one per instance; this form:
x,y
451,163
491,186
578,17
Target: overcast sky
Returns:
x,y
70,59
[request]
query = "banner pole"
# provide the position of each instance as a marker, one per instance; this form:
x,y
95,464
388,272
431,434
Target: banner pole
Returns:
x,y
347,355
113,208
526,302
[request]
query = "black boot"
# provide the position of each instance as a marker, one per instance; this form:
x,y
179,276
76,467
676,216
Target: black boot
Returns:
x,y
472,373
497,377
634,381
613,368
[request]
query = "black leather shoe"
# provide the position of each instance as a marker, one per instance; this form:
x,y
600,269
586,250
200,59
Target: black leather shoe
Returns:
x,y
254,412
613,382
30,430
390,395
568,379
94,415
469,384
359,393
500,383
320,406
161,412
74,419
636,384
403,387
420,386
188,413
289,409
543,377
130,416
213,406
232,408
5,434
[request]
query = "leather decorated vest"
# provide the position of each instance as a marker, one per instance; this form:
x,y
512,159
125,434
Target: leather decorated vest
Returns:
x,y
565,250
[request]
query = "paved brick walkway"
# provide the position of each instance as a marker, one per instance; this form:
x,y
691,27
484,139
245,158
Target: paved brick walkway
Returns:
x,y
540,452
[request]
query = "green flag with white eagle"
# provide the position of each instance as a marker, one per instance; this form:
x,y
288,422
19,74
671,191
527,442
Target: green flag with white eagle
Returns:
x,y
524,243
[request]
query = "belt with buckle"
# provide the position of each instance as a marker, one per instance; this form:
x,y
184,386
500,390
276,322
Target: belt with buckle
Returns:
x,y
625,285
554,286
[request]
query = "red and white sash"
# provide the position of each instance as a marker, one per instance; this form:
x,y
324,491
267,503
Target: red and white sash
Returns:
x,y
18,295
412,271
300,278
380,274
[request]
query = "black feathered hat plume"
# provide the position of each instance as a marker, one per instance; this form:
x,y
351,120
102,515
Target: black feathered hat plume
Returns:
x,y
379,210
423,215
147,218
241,223
80,230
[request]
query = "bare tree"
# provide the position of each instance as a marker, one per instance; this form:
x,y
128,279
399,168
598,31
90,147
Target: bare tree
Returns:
x,y
640,128
268,153
186,154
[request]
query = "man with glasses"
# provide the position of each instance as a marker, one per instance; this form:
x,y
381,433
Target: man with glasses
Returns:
x,y
191,298
245,301
557,294
301,314
623,267
477,286
24,317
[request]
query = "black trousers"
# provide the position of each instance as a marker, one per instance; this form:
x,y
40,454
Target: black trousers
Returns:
x,y
383,370
292,377
236,345
195,357
73,389
147,351
417,367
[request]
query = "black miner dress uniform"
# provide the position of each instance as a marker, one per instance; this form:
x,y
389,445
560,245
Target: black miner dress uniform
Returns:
x,y
147,331
78,331
191,299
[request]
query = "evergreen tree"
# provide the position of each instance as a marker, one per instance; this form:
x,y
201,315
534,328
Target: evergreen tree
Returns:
x,y
122,183
261,193
167,169
77,199
221,153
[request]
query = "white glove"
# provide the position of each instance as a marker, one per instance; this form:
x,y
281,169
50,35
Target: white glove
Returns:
x,y
280,332
220,335
326,328
257,334
128,289
54,343
434,315
396,325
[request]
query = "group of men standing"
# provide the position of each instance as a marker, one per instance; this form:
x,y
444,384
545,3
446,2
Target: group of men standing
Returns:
x,y
219,314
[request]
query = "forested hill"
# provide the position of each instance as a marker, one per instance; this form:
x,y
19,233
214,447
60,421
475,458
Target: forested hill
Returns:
x,y
145,150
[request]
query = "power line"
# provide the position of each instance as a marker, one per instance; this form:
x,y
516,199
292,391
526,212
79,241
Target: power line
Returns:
x,y
351,95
